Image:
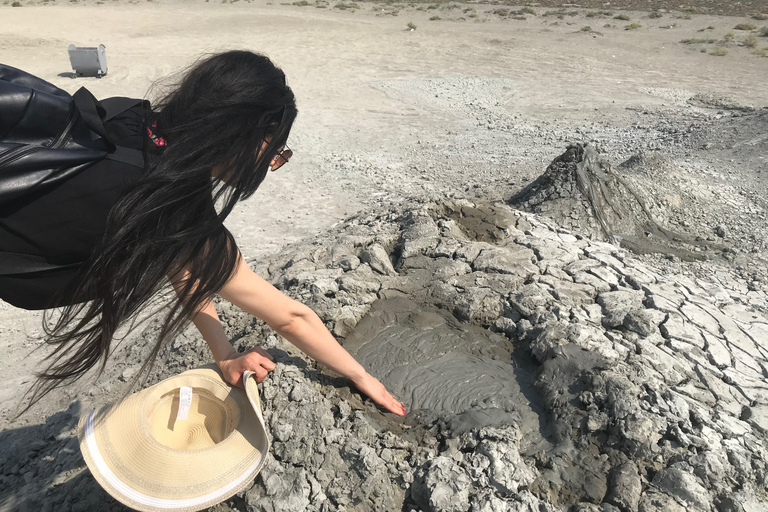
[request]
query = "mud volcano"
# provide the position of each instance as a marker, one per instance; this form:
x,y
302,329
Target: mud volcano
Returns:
x,y
582,192
543,371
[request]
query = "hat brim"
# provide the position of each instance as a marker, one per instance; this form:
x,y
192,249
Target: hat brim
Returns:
x,y
226,447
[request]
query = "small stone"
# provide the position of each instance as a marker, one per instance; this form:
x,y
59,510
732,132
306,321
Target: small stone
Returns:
x,y
128,373
720,231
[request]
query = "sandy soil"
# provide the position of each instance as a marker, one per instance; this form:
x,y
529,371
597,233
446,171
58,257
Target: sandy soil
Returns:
x,y
464,101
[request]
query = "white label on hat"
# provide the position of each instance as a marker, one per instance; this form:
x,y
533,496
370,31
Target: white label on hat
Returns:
x,y
185,400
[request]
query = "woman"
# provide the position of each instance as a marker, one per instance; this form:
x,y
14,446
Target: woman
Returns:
x,y
209,142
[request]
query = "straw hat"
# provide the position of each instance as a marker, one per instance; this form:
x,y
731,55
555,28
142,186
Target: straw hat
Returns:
x,y
184,444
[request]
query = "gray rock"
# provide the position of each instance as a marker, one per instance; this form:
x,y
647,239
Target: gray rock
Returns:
x,y
506,260
480,305
624,486
327,287
683,485
508,471
720,231
617,304
378,259
653,501
349,262
441,486
420,235
640,321
356,286
758,417
677,327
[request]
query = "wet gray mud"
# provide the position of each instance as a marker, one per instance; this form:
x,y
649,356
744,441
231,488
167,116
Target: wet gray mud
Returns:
x,y
542,370
463,374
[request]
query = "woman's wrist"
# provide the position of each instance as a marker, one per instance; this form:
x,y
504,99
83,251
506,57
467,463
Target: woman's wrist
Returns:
x,y
357,374
226,356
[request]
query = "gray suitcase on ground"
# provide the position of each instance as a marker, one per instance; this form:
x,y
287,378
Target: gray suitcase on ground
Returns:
x,y
88,61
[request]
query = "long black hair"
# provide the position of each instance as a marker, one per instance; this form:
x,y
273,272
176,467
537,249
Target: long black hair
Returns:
x,y
224,121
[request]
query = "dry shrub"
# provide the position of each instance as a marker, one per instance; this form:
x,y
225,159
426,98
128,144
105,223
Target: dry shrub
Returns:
x,y
750,41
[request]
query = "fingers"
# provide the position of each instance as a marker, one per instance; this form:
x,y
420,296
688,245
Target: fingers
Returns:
x,y
261,374
385,399
259,356
395,406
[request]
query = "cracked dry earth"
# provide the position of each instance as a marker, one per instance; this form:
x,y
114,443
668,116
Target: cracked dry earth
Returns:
x,y
542,371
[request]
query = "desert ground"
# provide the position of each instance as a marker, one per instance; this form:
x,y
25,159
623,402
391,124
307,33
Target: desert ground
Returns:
x,y
413,118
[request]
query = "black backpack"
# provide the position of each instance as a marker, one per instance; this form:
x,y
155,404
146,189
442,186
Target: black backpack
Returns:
x,y
46,137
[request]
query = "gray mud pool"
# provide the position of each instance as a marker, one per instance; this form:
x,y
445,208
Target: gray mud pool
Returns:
x,y
440,367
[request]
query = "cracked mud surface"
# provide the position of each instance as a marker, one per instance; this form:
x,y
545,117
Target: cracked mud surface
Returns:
x,y
611,383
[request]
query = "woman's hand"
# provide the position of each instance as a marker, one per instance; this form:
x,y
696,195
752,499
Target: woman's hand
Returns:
x,y
234,364
378,393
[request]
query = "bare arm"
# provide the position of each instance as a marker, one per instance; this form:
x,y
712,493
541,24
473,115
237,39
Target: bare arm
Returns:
x,y
291,319
301,326
229,360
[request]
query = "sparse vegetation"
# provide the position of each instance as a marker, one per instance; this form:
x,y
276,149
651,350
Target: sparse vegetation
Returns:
x,y
16,4
760,17
527,10
622,17
674,25
473,15
761,52
750,41
301,3
632,26
607,25
561,13
411,26
344,6
655,15
694,40
711,27
763,32
745,26
434,18
599,14
719,52
728,36
586,29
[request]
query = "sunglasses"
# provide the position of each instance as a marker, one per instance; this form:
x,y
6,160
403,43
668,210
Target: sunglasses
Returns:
x,y
281,158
